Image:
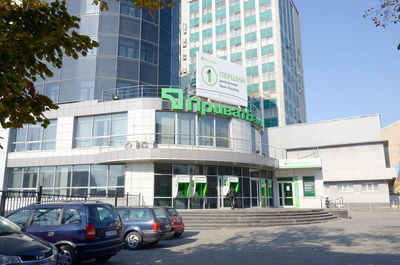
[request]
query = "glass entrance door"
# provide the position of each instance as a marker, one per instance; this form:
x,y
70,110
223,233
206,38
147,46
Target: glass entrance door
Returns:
x,y
255,192
285,194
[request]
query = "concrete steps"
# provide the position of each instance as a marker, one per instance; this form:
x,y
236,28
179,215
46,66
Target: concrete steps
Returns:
x,y
220,219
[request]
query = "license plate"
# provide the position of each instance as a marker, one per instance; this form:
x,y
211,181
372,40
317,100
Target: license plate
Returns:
x,y
111,233
167,226
177,220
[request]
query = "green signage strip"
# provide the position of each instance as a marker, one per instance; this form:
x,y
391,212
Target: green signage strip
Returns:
x,y
296,191
175,96
300,163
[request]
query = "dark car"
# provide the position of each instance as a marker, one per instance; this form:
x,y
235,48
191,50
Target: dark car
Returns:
x,y
17,247
80,230
144,225
177,222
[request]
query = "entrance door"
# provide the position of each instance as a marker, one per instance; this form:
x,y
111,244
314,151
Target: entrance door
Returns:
x,y
223,200
285,194
255,192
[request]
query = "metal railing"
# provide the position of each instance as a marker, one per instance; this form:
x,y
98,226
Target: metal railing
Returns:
x,y
12,200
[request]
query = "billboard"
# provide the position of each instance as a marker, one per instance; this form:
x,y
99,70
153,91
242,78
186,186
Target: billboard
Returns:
x,y
220,80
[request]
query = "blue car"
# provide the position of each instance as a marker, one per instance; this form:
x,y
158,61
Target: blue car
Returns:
x,y
143,225
80,230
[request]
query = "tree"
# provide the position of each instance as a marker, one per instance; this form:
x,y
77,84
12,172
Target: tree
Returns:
x,y
388,12
33,36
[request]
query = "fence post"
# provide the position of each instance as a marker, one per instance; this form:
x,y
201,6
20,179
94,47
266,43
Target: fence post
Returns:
x,y
3,203
116,199
127,198
85,194
140,199
39,194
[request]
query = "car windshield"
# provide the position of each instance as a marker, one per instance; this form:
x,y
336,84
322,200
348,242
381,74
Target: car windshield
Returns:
x,y
160,213
7,227
172,212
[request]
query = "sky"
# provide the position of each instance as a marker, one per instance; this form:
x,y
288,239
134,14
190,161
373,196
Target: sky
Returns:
x,y
351,68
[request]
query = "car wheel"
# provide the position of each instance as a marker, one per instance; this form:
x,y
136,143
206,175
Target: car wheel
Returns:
x,y
178,234
133,241
103,259
66,256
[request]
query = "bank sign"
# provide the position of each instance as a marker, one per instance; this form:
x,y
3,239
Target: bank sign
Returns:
x,y
220,80
175,96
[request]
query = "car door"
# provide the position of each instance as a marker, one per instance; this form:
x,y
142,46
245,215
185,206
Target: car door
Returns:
x,y
45,223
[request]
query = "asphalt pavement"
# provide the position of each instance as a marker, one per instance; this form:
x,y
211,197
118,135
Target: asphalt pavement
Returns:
x,y
364,239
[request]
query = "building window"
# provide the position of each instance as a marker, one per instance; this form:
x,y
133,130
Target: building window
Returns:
x,y
211,130
308,187
78,180
101,130
35,137
345,187
368,187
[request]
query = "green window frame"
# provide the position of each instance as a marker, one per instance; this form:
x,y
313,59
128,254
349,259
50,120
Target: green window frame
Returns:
x,y
267,49
194,22
249,20
266,15
252,70
207,47
193,51
220,44
234,41
207,32
206,3
234,9
194,7
207,18
309,186
268,67
236,57
234,24
265,33
252,88
249,4
220,13
220,29
269,85
251,53
194,36
250,36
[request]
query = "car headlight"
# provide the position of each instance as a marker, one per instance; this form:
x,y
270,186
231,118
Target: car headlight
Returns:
x,y
9,259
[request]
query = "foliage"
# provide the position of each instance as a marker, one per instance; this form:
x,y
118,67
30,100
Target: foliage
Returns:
x,y
388,12
150,5
33,35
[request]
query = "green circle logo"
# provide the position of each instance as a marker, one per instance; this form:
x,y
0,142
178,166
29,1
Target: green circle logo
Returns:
x,y
209,75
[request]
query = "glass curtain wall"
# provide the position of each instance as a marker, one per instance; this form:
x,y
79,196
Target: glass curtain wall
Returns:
x,y
246,195
78,180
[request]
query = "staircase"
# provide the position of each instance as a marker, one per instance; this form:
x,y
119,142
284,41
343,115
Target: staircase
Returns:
x,y
219,219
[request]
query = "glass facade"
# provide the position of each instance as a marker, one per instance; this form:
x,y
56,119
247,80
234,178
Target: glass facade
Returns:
x,y
78,180
34,137
136,48
248,186
192,129
244,33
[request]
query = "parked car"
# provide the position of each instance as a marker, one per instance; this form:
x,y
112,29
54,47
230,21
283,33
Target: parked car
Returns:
x,y
177,222
17,247
80,230
143,225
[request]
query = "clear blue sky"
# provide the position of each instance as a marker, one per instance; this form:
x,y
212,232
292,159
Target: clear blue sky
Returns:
x,y
351,68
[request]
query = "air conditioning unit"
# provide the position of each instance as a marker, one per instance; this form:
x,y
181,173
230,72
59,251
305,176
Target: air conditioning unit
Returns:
x,y
132,145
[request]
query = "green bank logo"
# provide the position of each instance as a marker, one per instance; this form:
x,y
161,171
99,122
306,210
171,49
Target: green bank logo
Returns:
x,y
175,96
209,75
